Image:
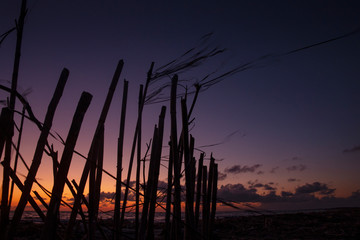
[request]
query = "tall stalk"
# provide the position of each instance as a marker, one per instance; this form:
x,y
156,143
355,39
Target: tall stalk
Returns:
x,y
38,152
4,218
17,153
49,228
157,160
120,148
137,187
198,190
94,144
134,145
176,160
168,195
213,200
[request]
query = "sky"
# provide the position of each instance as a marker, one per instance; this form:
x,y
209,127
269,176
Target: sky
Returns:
x,y
287,127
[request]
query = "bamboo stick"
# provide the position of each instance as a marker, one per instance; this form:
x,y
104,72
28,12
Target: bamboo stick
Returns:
x,y
198,190
46,206
17,154
189,210
6,179
204,202
100,160
32,202
49,228
168,194
122,217
137,187
213,200
84,200
177,162
5,119
120,148
87,166
209,194
157,160
38,152
93,159
149,186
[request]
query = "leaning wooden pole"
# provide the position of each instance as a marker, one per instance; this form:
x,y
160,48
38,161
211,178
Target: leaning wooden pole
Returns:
x,y
94,144
120,150
149,186
168,195
155,180
209,194
94,188
5,128
32,202
198,189
4,218
213,201
204,203
49,228
177,162
132,154
138,163
17,154
189,203
38,152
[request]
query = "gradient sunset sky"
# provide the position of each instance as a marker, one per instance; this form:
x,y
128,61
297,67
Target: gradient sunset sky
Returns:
x,y
289,126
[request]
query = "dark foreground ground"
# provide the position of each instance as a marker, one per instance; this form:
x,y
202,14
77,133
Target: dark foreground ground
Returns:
x,y
341,223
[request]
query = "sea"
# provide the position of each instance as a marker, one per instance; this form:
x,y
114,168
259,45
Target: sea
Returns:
x,y
160,216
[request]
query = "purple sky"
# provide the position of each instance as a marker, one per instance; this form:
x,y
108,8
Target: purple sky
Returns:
x,y
295,117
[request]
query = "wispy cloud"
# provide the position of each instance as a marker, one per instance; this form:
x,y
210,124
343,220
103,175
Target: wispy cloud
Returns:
x,y
221,176
256,184
300,168
353,149
274,169
236,169
293,180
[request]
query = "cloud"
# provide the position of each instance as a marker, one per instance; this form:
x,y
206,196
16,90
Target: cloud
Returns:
x,y
353,149
304,193
254,185
315,187
268,187
106,195
293,180
238,193
273,170
286,194
221,176
236,169
355,195
300,168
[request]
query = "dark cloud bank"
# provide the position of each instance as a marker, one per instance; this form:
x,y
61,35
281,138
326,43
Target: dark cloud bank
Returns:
x,y
309,196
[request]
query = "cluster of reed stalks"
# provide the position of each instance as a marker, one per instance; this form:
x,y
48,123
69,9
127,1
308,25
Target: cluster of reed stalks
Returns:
x,y
199,190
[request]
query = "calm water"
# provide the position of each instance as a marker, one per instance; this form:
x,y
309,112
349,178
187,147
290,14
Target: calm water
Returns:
x,y
159,216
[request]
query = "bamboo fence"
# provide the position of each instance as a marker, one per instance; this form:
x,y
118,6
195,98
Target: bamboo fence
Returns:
x,y
149,198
